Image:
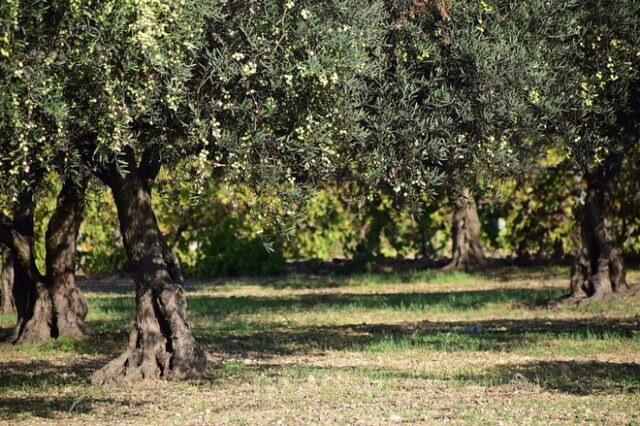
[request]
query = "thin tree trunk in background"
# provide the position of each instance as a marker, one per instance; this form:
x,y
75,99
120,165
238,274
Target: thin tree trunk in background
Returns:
x,y
467,252
6,281
598,269
161,344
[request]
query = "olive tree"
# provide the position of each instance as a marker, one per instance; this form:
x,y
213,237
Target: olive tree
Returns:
x,y
35,148
591,101
451,111
245,91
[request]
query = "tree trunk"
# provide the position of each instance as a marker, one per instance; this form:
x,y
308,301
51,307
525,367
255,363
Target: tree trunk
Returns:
x,y
69,305
467,253
598,269
161,345
31,297
6,282
51,306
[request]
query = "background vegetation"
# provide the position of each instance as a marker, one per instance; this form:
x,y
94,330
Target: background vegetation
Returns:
x,y
530,220
395,187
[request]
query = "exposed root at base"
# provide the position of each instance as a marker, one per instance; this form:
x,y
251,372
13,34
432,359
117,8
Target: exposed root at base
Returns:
x,y
582,300
135,365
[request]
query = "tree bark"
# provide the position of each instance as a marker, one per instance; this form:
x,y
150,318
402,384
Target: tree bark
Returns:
x,y
598,269
467,253
161,345
6,282
32,299
69,305
48,306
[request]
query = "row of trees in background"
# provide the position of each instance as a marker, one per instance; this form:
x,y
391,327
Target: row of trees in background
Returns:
x,y
387,107
530,221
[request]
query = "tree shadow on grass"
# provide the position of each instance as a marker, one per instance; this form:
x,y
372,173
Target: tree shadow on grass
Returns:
x,y
444,301
578,378
226,331
30,378
52,407
337,274
508,272
224,306
570,377
106,338
42,373
268,339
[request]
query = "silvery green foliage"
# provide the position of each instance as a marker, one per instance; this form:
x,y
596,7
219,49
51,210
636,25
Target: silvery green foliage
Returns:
x,y
592,84
33,137
282,82
261,92
453,99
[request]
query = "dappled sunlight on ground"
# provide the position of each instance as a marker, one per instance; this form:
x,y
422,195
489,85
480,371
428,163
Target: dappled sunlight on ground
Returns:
x,y
412,349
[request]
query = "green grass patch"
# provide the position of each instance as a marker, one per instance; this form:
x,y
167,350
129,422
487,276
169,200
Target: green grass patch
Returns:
x,y
424,347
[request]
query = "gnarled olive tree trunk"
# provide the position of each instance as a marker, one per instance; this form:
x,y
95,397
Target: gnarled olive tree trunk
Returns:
x,y
6,281
32,301
161,345
598,269
47,306
467,253
69,305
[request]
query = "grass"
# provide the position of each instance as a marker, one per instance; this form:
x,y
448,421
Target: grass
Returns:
x,y
402,347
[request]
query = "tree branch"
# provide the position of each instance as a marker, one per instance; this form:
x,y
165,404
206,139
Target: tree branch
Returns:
x,y
20,247
150,163
130,156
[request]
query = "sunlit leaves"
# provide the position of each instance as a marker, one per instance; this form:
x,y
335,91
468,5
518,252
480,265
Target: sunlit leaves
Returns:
x,y
593,78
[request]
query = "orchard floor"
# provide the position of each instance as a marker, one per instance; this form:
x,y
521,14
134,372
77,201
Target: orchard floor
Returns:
x,y
401,348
